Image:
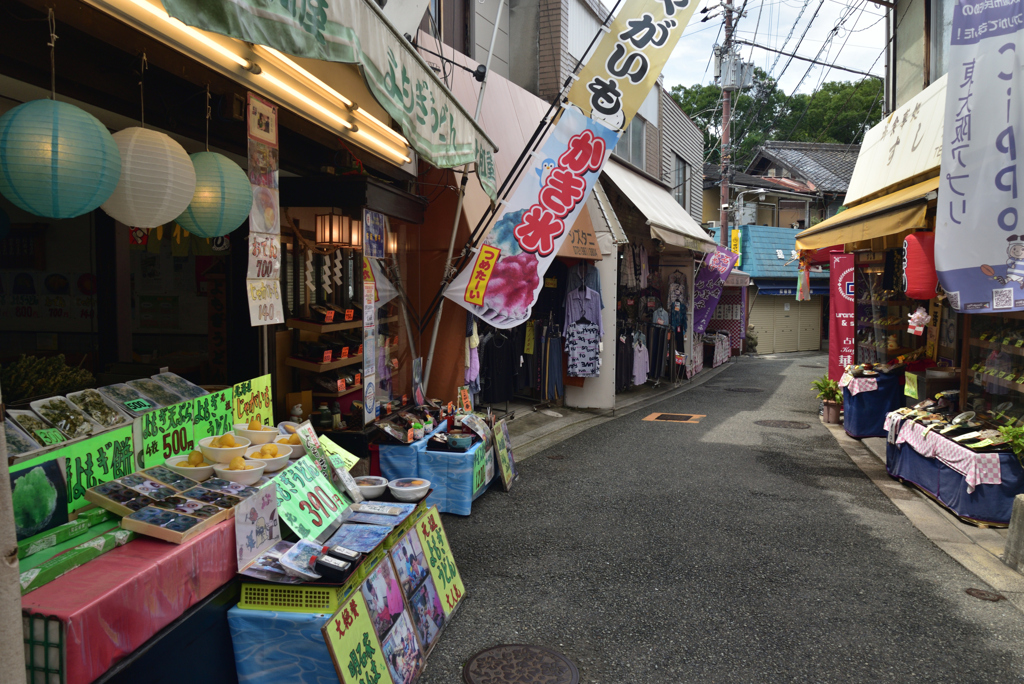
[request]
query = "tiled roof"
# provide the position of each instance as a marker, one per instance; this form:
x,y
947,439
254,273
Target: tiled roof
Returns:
x,y
713,176
828,165
760,245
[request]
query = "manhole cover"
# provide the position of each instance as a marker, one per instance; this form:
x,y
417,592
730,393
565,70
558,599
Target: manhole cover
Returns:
x,y
520,663
985,595
675,416
692,418
788,424
743,389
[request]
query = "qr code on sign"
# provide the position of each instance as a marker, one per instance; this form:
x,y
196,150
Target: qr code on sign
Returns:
x,y
954,299
1003,298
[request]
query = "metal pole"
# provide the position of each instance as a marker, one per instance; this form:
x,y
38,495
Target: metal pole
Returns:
x,y
487,64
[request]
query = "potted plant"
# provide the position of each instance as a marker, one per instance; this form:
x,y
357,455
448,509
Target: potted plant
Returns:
x,y
829,392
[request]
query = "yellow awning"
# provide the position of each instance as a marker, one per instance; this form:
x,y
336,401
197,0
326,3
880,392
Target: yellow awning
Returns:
x,y
896,212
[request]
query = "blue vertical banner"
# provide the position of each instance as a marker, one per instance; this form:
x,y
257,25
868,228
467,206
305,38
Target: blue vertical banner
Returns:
x,y
979,238
374,229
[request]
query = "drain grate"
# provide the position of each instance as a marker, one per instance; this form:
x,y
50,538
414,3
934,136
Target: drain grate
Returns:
x,y
690,418
743,389
805,366
985,595
520,663
556,457
788,424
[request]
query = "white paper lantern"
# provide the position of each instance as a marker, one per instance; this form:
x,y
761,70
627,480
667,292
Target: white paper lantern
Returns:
x,y
157,179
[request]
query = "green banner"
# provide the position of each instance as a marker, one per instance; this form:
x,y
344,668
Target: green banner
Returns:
x,y
164,433
212,414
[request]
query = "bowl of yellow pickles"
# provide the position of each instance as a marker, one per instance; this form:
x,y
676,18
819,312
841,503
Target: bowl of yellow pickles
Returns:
x,y
223,448
256,433
240,470
292,441
274,456
193,466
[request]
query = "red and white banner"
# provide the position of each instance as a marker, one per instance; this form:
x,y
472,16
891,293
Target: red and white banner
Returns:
x,y
842,334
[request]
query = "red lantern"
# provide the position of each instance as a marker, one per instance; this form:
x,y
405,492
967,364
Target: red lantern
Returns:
x,y
919,276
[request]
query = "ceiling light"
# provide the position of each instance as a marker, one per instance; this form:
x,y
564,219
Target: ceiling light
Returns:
x,y
204,39
305,100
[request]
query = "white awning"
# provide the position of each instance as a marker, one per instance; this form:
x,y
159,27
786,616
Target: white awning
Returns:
x,y
737,279
669,222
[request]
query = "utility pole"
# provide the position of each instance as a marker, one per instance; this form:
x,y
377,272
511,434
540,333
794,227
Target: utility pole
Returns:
x,y
723,238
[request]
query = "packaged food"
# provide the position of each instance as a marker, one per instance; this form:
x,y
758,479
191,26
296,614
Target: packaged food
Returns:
x,y
29,421
18,441
155,392
97,408
180,385
65,416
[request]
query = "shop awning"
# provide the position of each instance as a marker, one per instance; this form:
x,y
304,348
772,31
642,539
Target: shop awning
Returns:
x,y
669,222
896,212
737,279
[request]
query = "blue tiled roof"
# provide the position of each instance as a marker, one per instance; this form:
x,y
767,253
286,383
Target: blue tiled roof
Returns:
x,y
760,246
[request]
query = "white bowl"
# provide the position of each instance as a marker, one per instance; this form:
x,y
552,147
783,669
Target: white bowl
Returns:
x,y
409,493
245,477
284,430
371,491
297,449
255,436
273,463
200,473
223,454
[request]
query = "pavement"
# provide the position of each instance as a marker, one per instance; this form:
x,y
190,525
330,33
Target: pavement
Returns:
x,y
720,551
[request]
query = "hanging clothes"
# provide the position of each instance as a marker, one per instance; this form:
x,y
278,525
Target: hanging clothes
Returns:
x,y
498,368
552,387
640,363
583,350
627,269
585,303
644,267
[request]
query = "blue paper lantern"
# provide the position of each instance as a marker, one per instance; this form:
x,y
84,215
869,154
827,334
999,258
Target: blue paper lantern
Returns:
x,y
222,199
56,160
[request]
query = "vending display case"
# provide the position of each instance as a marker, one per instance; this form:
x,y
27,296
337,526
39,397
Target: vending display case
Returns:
x,y
995,368
882,313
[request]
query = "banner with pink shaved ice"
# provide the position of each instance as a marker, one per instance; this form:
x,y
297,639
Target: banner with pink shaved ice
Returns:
x,y
507,273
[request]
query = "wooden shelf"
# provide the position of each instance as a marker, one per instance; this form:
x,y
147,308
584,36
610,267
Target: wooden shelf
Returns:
x,y
311,326
980,377
336,395
302,364
889,327
986,344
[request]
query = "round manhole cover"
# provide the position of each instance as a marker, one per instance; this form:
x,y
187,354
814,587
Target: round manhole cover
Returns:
x,y
520,663
743,389
788,424
985,595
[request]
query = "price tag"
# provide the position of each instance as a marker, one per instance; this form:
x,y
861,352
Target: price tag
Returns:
x,y
359,378
344,352
387,409
982,336
358,353
405,399
1006,340
307,501
440,562
211,414
327,356
1019,343
349,314
166,432
138,405
394,363
253,401
341,385
408,436
50,436
329,316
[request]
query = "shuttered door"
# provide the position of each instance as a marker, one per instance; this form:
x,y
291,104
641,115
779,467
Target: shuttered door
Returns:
x,y
809,335
786,323
762,317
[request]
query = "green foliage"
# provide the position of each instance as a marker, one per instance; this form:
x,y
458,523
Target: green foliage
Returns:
x,y
34,499
32,376
1014,436
827,389
838,112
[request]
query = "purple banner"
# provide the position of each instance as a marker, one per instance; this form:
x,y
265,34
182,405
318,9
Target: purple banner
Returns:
x,y
707,286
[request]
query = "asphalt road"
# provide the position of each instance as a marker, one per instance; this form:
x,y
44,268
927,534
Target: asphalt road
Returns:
x,y
719,552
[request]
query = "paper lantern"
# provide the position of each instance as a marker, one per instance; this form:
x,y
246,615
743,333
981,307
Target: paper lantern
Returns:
x,y
222,199
919,276
157,179
56,160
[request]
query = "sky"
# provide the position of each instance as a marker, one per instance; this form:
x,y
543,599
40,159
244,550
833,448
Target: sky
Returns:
x,y
857,45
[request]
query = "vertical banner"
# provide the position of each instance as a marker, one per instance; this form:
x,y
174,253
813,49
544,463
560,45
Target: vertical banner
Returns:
x,y
842,325
708,284
369,353
374,228
735,236
979,242
263,284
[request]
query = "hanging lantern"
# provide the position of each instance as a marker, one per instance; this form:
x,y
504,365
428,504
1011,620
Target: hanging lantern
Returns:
x,y
222,199
357,234
56,160
332,230
919,276
157,179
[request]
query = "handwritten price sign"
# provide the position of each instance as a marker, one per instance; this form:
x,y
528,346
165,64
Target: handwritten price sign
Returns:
x,y
354,646
439,558
212,414
164,433
264,256
265,306
306,501
253,400
98,459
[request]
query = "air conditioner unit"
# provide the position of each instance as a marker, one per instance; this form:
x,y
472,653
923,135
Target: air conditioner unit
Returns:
x,y
714,224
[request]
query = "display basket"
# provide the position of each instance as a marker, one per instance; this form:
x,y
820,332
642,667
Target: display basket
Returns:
x,y
293,598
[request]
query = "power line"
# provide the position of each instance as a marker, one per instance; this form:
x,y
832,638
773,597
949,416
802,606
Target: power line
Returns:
x,y
807,59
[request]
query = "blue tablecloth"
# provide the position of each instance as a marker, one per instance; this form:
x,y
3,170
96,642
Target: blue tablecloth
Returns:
x,y
988,503
864,413
272,647
402,460
451,475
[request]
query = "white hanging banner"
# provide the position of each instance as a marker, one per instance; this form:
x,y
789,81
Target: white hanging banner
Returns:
x,y
979,238
263,279
264,256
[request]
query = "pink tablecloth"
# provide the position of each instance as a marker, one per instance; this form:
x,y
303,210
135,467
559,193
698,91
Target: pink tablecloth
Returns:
x,y
977,468
857,385
114,603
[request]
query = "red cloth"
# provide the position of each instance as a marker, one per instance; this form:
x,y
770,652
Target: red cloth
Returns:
x,y
114,603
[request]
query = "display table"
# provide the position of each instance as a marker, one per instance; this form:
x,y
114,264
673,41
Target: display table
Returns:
x,y
864,409
272,647
979,487
455,477
114,603
401,458
717,352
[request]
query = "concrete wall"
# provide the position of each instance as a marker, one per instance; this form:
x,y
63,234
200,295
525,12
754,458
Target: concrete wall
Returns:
x,y
480,30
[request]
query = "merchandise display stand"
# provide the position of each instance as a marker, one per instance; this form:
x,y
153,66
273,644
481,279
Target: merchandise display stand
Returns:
x,y
864,412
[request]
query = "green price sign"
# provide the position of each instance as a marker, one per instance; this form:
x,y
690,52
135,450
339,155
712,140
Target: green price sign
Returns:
x,y
50,436
164,433
138,405
306,500
212,414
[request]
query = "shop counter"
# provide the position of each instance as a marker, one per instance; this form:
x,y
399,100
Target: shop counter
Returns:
x,y
979,487
272,647
866,401
113,604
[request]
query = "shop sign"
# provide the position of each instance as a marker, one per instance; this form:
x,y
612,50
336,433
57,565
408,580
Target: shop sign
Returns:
x,y
480,468
735,235
506,462
708,284
442,566
163,434
339,457
253,400
306,501
353,644
375,227
264,256
979,235
506,277
582,243
842,324
96,460
265,307
212,414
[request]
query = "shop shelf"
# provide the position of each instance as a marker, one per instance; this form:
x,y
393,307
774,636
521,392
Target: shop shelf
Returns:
x,y
314,367
311,326
892,327
981,377
986,344
336,395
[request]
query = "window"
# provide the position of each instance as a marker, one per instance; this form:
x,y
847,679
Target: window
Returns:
x,y
631,144
681,182
941,34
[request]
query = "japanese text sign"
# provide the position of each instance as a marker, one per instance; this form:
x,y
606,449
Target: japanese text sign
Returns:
x,y
614,82
164,433
212,414
253,400
99,459
353,644
339,457
264,256
708,284
506,277
440,561
306,501
311,443
265,307
257,527
842,324
375,227
506,462
979,242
